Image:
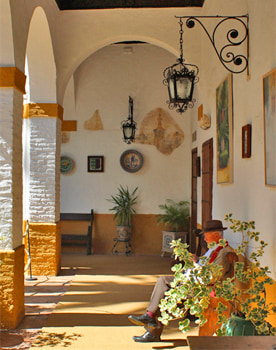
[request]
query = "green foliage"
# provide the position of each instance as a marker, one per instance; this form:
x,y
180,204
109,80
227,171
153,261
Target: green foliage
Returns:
x,y
176,215
192,292
124,201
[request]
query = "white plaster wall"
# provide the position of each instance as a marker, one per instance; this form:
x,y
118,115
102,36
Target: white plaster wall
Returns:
x,y
78,34
26,167
104,82
41,63
22,12
247,198
7,55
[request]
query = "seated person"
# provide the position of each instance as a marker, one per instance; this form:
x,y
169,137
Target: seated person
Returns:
x,y
212,233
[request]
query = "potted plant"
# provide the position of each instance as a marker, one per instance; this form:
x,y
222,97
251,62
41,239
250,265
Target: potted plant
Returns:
x,y
245,292
124,202
176,217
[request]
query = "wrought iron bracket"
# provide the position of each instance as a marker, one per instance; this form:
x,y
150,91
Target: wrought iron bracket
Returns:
x,y
235,37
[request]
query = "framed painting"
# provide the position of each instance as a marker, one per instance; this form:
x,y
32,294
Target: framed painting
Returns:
x,y
95,164
224,131
246,141
269,95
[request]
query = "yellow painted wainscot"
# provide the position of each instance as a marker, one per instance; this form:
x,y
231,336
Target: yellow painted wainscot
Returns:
x,y
12,287
45,248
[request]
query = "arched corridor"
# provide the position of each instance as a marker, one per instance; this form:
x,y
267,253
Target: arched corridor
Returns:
x,y
82,65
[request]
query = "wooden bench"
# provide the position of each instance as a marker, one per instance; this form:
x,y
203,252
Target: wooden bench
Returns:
x,y
79,239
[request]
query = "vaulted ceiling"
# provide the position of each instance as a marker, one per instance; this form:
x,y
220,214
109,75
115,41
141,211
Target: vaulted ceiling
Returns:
x,y
107,4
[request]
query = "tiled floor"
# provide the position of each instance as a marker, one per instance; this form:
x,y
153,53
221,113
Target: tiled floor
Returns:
x,y
41,297
104,290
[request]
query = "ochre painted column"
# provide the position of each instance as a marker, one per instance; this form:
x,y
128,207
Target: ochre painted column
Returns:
x,y
12,83
45,248
12,287
42,133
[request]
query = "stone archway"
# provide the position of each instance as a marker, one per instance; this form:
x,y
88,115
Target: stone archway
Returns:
x,y
41,149
12,84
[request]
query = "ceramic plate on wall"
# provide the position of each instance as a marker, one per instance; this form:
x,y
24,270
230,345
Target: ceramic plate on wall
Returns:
x,y
131,161
66,165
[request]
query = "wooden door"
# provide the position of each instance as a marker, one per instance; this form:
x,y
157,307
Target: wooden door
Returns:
x,y
193,223
207,181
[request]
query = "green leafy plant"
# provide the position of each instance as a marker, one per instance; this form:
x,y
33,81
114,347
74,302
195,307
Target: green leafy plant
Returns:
x,y
176,215
192,292
124,202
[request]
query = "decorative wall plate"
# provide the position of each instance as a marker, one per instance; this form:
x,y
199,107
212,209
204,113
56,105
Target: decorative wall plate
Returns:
x,y
66,164
131,161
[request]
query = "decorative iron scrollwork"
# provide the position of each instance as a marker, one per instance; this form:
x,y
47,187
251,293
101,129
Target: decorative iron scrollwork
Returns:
x,y
234,63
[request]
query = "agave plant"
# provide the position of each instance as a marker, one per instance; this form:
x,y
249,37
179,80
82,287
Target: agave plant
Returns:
x,y
176,215
124,201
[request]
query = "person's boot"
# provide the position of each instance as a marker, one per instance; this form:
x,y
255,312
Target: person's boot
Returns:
x,y
146,338
143,320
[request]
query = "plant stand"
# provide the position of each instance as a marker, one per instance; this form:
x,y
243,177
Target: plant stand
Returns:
x,y
124,234
168,237
128,248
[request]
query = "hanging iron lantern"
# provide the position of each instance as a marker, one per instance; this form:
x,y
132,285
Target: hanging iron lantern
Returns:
x,y
129,125
180,79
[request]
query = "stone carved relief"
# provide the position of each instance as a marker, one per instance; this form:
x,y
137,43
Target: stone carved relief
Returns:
x,y
35,110
94,123
65,137
204,122
160,129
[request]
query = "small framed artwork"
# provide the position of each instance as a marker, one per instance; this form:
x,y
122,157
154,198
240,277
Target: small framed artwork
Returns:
x,y
246,141
95,164
269,94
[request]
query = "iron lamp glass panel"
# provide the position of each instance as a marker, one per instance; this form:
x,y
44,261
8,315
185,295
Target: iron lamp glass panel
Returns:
x,y
181,88
129,131
184,88
171,88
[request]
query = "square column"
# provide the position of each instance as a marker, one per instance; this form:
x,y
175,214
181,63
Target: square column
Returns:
x,y
12,82
42,142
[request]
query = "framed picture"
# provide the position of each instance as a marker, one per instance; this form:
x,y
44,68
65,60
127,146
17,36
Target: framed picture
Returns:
x,y
224,131
269,94
246,141
95,164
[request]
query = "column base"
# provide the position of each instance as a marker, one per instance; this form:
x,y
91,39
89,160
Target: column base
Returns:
x,y
45,248
12,287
